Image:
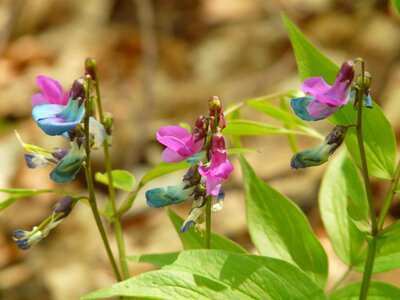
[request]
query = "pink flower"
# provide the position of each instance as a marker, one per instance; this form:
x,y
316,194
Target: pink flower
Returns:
x,y
180,143
52,92
219,167
324,100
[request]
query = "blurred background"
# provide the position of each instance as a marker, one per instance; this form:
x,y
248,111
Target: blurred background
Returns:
x,y
159,62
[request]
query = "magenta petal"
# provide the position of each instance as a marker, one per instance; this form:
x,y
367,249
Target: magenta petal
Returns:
x,y
175,144
51,89
171,156
213,186
321,110
315,85
38,99
175,131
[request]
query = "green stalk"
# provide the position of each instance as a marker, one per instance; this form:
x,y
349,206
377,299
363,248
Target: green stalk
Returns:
x,y
369,264
207,237
389,197
90,186
290,136
111,190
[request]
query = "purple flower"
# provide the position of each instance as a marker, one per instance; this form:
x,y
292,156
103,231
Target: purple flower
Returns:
x,y
180,143
219,167
52,92
324,99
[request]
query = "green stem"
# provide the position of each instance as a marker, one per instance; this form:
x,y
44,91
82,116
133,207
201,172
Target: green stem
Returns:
x,y
369,264
130,199
207,237
389,197
90,186
111,190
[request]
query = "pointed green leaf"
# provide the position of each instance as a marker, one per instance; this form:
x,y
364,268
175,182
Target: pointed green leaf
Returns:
x,y
123,180
216,274
377,291
159,259
341,184
278,228
246,127
275,112
193,238
162,169
379,139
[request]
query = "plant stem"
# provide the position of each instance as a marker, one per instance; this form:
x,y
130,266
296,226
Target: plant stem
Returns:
x,y
207,237
389,197
291,137
90,186
369,264
111,190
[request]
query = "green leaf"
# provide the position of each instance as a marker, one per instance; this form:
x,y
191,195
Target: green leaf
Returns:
x,y
396,5
275,112
122,179
216,274
159,259
193,238
246,127
162,169
379,139
278,228
235,151
377,291
341,184
388,250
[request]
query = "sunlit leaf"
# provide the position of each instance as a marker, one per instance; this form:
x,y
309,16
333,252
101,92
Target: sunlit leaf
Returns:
x,y
122,179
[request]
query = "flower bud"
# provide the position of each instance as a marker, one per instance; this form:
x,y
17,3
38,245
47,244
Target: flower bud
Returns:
x,y
78,90
90,68
318,155
200,129
64,207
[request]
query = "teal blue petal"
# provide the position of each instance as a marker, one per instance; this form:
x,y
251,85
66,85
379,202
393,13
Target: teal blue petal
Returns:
x,y
299,106
167,195
67,168
56,119
196,158
368,103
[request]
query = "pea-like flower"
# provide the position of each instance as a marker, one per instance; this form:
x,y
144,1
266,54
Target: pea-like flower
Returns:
x,y
181,144
25,239
167,195
219,168
324,100
56,119
320,154
52,92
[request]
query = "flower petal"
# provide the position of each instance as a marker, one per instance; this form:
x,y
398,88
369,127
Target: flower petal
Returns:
x,y
320,110
37,99
167,195
171,156
315,86
51,89
67,168
300,105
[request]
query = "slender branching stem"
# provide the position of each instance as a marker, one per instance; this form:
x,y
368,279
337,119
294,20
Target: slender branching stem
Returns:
x,y
90,186
369,264
111,190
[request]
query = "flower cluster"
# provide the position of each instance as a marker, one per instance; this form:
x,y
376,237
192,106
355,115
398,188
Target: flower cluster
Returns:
x,y
25,239
323,101
60,113
205,149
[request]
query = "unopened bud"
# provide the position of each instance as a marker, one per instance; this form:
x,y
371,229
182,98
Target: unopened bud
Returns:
x,y
90,68
200,129
78,90
108,122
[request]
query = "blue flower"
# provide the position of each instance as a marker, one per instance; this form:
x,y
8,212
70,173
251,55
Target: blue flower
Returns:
x,y
167,195
56,119
67,168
